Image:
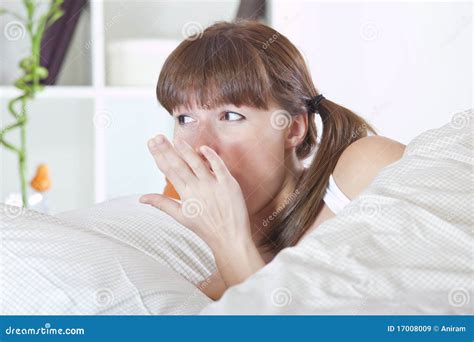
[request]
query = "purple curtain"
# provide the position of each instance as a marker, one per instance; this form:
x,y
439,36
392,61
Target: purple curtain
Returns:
x,y
57,38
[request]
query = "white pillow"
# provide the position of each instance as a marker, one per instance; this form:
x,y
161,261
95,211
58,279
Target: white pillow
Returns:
x,y
119,257
151,231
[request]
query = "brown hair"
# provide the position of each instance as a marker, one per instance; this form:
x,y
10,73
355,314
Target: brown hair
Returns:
x,y
249,63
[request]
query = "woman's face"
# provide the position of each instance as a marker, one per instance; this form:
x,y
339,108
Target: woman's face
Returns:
x,y
252,148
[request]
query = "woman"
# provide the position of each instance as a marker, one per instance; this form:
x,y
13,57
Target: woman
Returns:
x,y
244,107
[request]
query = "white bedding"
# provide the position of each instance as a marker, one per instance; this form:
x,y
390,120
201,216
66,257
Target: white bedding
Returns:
x,y
118,257
404,246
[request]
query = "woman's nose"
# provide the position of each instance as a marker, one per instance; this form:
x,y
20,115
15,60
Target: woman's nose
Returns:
x,y
206,137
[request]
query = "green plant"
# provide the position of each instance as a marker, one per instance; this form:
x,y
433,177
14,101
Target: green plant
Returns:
x,y
35,25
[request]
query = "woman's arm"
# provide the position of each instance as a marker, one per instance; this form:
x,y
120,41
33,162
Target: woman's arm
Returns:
x,y
363,160
237,262
237,268
213,287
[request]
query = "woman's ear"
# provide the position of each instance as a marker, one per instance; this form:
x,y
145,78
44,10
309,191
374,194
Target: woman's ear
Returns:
x,y
297,130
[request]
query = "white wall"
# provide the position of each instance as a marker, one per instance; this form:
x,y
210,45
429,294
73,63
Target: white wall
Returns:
x,y
404,66
130,167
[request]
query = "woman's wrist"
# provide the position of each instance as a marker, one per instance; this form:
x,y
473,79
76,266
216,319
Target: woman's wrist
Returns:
x,y
238,261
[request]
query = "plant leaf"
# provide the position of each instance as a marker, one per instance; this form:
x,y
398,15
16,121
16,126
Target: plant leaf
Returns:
x,y
26,63
55,17
42,72
14,14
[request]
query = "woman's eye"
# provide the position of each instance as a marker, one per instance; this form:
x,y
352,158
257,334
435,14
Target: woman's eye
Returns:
x,y
231,116
185,119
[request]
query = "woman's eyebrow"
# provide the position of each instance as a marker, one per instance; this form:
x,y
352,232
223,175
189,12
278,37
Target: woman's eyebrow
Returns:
x,y
242,111
181,113
217,111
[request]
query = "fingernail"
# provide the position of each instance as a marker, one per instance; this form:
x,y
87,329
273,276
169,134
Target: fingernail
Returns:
x,y
159,139
152,145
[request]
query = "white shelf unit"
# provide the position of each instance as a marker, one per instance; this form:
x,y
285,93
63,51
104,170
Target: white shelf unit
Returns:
x,y
93,135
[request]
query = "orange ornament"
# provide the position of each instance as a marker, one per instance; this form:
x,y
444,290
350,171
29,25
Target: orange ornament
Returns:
x,y
41,181
170,191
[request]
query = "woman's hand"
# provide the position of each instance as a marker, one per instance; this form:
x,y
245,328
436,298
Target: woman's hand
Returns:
x,y
212,205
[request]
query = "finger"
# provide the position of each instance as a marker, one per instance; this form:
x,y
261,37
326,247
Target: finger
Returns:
x,y
165,167
169,206
170,163
195,162
217,164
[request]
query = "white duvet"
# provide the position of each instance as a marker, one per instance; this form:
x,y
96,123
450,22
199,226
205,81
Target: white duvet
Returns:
x,y
404,246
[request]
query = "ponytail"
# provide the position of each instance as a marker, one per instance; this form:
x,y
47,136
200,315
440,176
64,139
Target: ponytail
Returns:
x,y
341,127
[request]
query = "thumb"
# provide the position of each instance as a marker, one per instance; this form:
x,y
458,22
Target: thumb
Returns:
x,y
169,206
